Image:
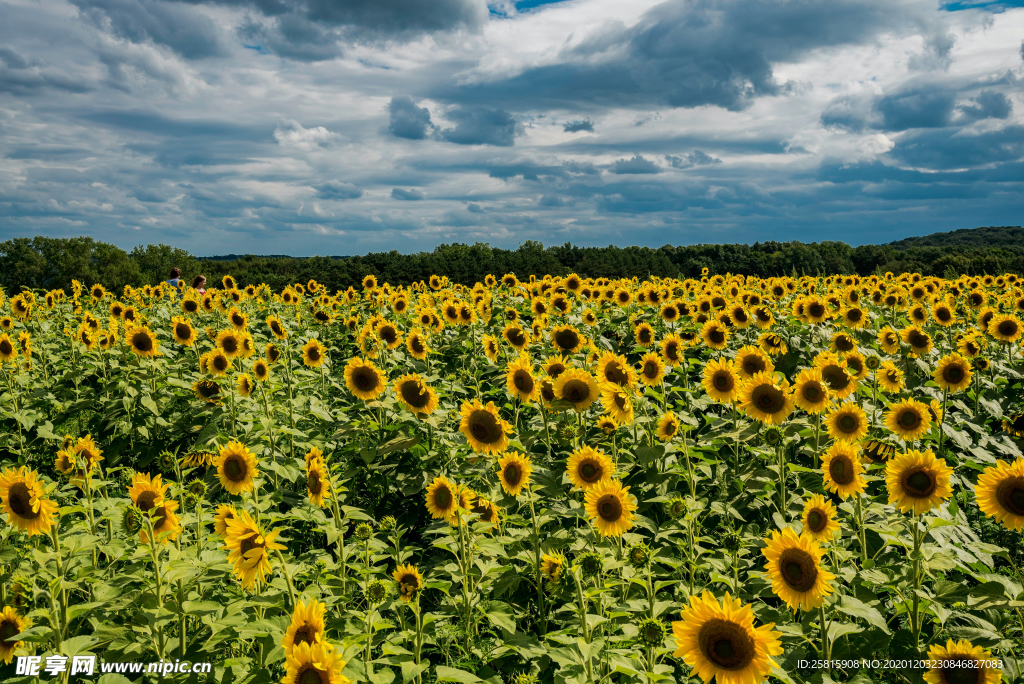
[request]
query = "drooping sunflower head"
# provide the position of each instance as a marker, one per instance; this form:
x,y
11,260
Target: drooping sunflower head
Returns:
x,y
552,566
225,513
908,419
719,640
363,379
842,470
514,470
794,567
611,508
917,481
236,468
588,467
484,429
953,373
766,400
409,581
1000,493
207,390
721,380
819,519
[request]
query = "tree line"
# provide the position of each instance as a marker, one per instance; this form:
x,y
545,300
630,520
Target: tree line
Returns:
x,y
52,263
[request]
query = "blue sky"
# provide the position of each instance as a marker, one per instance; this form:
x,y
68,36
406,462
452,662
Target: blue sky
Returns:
x,y
346,126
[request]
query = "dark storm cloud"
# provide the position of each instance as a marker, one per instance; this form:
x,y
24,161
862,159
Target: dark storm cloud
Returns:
x,y
550,200
635,165
577,126
407,120
187,31
337,190
707,52
916,109
989,104
481,126
407,195
952,148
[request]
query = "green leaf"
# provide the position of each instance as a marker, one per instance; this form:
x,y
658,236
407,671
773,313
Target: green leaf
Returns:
x,y
856,608
500,615
450,674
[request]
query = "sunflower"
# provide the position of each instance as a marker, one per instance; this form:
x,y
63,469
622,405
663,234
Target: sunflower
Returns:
x,y
615,369
318,482
416,345
920,342
363,379
588,467
719,640
409,581
184,333
552,566
749,361
248,548
611,506
652,370
819,519
721,381
236,468
843,471
961,662
87,454
277,327
714,334
166,524
644,334
229,342
487,511
207,390
889,340
890,377
11,624
225,514
143,342
442,499
243,384
668,427
414,394
841,382
917,481
1000,493
953,374
516,336
766,400
1005,328
24,502
617,403
314,353
811,392
908,419
484,429
847,423
577,387
514,471
261,370
554,366
566,339
971,345
520,381
673,349
794,567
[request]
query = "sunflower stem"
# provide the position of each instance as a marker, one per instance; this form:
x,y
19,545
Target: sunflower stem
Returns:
x,y
861,533
288,578
915,616
543,622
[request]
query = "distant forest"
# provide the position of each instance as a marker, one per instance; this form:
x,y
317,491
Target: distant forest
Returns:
x,y
50,263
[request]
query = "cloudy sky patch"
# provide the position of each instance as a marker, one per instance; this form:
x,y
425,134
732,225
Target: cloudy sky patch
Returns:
x,y
344,126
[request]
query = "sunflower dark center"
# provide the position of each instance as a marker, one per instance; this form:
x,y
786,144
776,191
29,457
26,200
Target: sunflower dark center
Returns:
x,y
6,348
798,569
275,327
726,644
816,521
609,508
812,392
723,382
8,628
717,336
918,340
919,483
961,670
854,315
844,343
513,474
943,314
19,498
753,364
443,498
589,471
229,344
953,373
414,394
313,353
417,344
1010,494
576,391
142,342
909,419
484,427
182,331
523,381
234,469
311,675
816,310
516,337
841,470
848,423
613,373
672,351
1008,328
365,378
556,369
313,483
836,377
768,398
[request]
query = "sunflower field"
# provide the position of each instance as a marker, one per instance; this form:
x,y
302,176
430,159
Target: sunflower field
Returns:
x,y
557,480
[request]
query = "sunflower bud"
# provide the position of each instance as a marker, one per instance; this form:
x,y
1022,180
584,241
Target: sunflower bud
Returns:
x,y
774,436
590,564
872,362
639,555
376,592
569,432
388,523
131,522
197,488
125,477
676,507
524,678
167,461
651,632
364,531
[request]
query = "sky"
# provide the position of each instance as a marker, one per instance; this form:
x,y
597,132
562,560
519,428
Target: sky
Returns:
x,y
340,127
